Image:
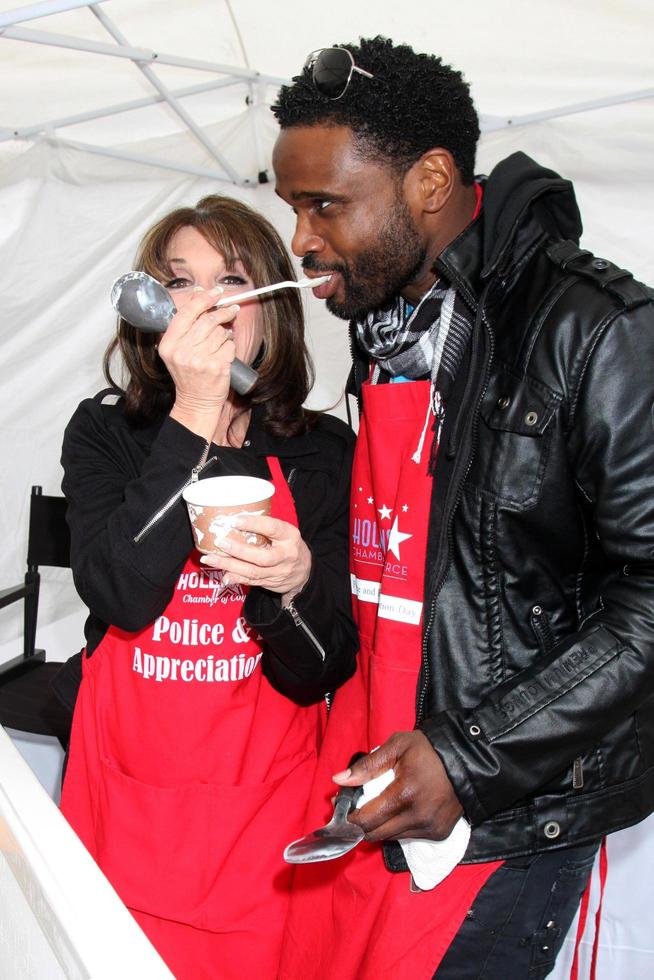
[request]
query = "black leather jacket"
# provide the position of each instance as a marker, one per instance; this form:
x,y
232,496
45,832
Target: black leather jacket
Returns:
x,y
538,668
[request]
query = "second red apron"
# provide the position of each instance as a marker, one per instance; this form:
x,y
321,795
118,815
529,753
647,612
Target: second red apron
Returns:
x,y
350,918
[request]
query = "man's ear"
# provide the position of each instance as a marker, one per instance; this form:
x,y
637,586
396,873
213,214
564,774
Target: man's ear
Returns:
x,y
431,180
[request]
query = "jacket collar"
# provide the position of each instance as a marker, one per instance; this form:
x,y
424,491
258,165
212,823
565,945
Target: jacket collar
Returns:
x,y
285,447
262,443
461,262
522,203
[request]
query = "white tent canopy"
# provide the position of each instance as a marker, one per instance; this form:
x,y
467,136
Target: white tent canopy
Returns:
x,y
113,114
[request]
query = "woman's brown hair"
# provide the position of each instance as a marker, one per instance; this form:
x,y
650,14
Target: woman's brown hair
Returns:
x,y
283,363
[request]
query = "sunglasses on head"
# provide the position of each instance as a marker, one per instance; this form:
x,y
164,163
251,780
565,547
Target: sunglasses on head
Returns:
x,y
332,70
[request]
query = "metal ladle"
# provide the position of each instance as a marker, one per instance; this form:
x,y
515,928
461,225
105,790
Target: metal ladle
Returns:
x,y
147,305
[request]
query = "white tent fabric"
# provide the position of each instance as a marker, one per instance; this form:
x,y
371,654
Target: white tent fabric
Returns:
x,y
71,219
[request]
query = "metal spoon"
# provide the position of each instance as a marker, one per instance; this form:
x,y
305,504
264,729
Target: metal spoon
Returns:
x,y
337,837
142,301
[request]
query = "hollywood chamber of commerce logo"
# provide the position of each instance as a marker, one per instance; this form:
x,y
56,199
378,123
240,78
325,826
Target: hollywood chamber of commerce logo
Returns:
x,y
207,587
377,542
374,540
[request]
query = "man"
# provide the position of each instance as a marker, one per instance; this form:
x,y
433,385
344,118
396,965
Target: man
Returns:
x,y
503,571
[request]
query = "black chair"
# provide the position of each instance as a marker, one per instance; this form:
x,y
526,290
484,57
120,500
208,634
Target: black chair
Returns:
x,y
27,702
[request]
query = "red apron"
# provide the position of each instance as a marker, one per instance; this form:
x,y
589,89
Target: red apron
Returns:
x,y
188,775
351,918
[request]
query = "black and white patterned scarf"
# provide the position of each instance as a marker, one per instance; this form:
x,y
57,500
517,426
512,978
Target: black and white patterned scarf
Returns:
x,y
426,344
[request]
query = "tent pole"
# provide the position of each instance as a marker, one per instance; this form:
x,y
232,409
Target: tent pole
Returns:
x,y
254,100
133,54
111,110
44,9
176,106
491,123
105,151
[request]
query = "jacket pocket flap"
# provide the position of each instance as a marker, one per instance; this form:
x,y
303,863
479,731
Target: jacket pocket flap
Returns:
x,y
520,405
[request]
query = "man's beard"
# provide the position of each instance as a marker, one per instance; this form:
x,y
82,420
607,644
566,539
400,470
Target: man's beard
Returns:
x,y
375,277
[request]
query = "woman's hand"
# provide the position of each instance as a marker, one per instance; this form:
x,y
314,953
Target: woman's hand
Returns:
x,y
283,566
198,351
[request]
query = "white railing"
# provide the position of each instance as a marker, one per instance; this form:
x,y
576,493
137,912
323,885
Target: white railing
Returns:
x,y
59,916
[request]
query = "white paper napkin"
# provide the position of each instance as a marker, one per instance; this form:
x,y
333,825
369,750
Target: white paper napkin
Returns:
x,y
429,861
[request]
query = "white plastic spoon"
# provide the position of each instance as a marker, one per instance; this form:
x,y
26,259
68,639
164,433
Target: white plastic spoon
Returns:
x,y
287,284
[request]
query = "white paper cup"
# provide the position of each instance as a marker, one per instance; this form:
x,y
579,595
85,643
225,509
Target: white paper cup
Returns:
x,y
214,504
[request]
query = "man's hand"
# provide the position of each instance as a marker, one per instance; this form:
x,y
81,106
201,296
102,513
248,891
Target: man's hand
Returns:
x,y
420,802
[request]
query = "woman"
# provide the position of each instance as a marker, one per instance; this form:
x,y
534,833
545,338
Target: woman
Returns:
x,y
183,781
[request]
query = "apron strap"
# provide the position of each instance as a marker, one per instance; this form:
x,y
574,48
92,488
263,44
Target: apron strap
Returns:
x,y
285,503
583,913
603,871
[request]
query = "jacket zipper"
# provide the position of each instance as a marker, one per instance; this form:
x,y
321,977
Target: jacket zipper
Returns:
x,y
295,616
578,773
297,619
203,462
541,626
299,622
425,669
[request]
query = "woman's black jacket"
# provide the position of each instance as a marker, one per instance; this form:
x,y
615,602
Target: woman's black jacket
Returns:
x,y
130,535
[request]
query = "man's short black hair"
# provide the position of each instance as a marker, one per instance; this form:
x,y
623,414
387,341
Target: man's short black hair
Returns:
x,y
413,103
